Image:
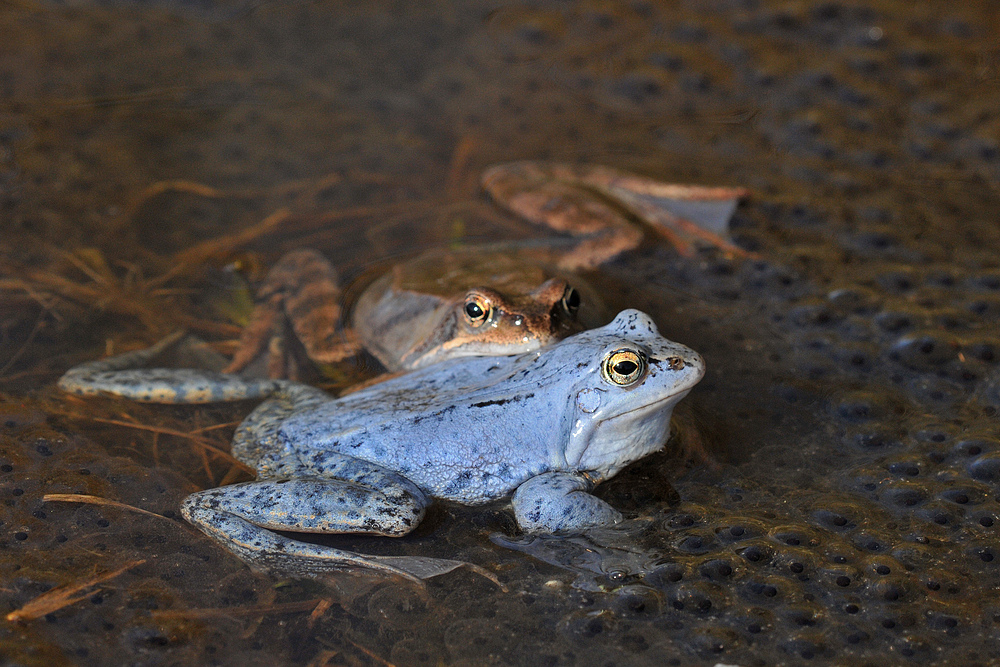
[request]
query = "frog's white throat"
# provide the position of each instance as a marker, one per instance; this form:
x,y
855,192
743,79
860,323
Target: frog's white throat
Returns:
x,y
603,447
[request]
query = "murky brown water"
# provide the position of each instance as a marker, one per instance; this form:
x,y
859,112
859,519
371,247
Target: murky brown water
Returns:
x,y
853,387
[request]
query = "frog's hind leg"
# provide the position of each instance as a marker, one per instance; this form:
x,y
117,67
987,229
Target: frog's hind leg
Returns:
x,y
682,214
303,290
256,436
595,203
334,493
125,375
273,552
547,194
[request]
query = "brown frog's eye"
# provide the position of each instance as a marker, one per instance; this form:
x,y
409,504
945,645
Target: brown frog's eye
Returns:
x,y
571,301
477,309
624,367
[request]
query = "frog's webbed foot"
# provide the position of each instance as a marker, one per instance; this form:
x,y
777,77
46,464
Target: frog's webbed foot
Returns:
x,y
277,553
125,375
596,204
682,214
302,291
558,502
273,552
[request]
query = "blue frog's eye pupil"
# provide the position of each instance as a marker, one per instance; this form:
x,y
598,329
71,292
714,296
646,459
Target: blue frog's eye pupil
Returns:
x,y
626,367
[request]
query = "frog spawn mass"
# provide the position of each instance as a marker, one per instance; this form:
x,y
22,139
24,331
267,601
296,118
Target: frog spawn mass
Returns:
x,y
545,425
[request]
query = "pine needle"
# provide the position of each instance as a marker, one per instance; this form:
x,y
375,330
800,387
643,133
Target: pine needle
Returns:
x,y
95,500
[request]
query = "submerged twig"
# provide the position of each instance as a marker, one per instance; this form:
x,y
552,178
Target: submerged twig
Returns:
x,y
324,604
369,653
201,252
24,346
145,299
323,658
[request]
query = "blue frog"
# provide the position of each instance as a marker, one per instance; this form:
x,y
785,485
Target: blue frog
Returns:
x,y
545,426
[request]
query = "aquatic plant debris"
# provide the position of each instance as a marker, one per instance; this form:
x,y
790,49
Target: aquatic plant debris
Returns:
x,y
321,604
63,596
96,500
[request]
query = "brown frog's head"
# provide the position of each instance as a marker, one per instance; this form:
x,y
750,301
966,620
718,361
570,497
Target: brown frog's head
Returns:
x,y
486,321
447,304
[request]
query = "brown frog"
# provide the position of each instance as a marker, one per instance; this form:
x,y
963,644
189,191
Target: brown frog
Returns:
x,y
484,300
439,305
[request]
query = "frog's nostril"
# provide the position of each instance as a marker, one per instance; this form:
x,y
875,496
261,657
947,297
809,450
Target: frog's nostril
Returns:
x,y
675,363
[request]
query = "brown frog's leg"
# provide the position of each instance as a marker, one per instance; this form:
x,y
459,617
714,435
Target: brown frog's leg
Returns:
x,y
531,191
301,289
594,203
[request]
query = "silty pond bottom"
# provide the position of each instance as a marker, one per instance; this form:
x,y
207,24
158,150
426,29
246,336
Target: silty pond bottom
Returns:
x,y
852,390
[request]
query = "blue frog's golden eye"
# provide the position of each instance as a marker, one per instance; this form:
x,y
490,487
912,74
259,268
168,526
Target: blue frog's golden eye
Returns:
x,y
477,309
624,367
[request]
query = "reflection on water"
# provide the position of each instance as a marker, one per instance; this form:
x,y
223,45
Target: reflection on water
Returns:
x,y
603,566
156,159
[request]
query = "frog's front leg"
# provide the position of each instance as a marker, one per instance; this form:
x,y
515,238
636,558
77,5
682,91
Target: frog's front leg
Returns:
x,y
560,502
345,495
301,290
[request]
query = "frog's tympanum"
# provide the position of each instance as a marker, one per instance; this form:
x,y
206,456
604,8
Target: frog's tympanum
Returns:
x,y
484,300
545,426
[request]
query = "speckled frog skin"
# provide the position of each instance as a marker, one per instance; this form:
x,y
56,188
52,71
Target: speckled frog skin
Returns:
x,y
546,426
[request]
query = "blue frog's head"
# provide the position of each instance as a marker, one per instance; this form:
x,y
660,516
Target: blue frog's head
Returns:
x,y
633,379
